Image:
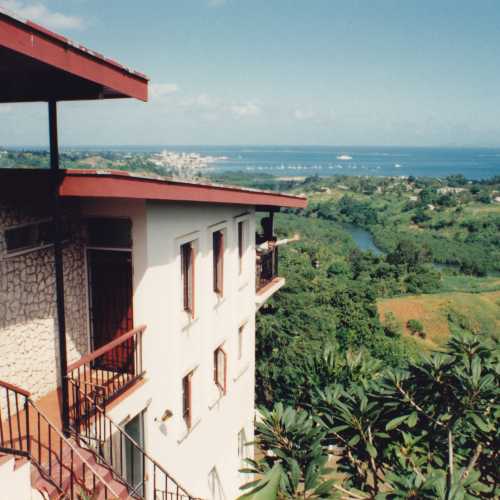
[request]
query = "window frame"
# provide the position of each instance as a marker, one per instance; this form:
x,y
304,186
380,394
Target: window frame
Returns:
x,y
188,258
103,220
218,249
217,368
242,442
46,224
187,399
241,226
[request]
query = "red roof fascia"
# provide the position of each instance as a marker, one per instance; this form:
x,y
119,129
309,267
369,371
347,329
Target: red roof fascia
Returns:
x,y
122,185
54,50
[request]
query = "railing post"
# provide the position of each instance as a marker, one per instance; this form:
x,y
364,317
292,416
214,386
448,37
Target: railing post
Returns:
x,y
28,433
276,260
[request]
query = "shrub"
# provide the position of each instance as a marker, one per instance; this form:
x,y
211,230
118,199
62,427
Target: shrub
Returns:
x,y
415,326
392,326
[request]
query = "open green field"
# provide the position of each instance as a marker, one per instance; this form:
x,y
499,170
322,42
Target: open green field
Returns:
x,y
480,311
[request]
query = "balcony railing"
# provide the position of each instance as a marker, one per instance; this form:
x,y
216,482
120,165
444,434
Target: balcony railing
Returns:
x,y
266,267
26,431
108,371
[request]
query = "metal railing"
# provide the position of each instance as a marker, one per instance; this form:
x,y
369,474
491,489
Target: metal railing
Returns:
x,y
14,420
26,431
266,267
112,368
132,465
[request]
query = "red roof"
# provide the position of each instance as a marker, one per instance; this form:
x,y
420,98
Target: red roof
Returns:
x,y
39,65
28,183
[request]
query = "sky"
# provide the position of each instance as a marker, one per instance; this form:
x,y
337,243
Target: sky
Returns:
x,y
298,72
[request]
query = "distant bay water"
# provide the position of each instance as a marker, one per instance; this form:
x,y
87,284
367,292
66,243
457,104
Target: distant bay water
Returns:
x,y
292,161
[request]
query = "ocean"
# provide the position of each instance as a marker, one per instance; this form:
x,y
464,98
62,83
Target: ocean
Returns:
x,y
291,161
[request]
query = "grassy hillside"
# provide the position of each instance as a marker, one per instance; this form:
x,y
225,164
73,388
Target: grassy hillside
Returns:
x,y
438,312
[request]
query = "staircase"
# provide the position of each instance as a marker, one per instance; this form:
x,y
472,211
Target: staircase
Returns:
x,y
60,467
94,430
88,465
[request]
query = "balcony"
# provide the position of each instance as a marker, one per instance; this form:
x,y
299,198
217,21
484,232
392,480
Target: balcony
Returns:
x,y
109,371
267,281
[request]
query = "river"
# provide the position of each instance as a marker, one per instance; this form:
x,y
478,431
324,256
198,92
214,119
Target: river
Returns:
x,y
363,239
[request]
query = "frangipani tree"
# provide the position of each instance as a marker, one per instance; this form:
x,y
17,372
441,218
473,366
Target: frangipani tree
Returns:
x,y
429,431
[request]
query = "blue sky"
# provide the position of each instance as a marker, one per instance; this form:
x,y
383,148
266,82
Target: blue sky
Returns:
x,y
395,72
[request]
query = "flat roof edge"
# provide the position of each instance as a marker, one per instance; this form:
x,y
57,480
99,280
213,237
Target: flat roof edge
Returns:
x,y
105,184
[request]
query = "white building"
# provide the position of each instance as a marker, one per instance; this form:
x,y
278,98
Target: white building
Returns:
x,y
127,311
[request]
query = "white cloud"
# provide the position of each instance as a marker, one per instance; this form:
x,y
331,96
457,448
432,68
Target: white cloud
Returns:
x,y
246,109
160,90
301,114
201,102
212,108
39,13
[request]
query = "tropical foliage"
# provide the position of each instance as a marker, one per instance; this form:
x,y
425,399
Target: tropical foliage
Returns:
x,y
430,430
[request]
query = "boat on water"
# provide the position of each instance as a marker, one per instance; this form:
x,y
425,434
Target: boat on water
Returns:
x,y
344,157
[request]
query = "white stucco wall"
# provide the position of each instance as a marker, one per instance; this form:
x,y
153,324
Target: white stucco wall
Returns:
x,y
174,344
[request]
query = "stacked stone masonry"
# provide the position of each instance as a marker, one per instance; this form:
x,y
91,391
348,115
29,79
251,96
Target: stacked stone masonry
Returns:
x,y
28,324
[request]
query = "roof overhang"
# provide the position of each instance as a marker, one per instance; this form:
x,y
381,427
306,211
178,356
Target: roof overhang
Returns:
x,y
26,183
39,65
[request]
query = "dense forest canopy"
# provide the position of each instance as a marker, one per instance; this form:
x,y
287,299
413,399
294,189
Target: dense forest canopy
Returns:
x,y
351,408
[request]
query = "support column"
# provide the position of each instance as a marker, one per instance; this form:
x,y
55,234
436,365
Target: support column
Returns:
x,y
58,262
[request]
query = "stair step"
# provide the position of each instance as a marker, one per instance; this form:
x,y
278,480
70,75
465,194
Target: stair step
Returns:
x,y
45,487
61,474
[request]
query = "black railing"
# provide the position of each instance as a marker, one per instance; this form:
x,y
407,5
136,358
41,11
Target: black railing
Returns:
x,y
92,428
14,420
266,267
111,369
26,431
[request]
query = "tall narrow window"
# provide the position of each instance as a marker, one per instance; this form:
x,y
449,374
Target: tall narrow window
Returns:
x,y
218,252
243,452
241,245
187,410
241,335
220,369
187,268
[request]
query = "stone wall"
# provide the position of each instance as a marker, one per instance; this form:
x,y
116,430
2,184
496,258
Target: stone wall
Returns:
x,y
28,325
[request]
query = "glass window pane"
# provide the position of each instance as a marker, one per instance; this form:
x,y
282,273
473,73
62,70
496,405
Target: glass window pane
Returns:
x,y
109,232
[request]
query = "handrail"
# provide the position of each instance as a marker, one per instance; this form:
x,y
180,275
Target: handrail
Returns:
x,y
15,388
112,368
99,413
31,445
12,425
105,348
74,450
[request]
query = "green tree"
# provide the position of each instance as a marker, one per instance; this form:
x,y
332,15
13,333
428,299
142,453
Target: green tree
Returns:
x,y
292,439
425,432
